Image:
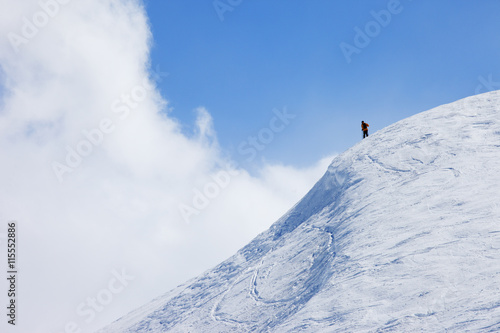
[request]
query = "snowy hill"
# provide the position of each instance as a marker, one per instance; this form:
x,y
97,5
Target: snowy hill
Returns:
x,y
402,234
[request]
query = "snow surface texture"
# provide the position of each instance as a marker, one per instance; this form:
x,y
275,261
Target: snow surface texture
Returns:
x,y
402,234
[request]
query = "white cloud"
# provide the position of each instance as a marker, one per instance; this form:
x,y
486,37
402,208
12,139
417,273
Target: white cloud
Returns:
x,y
119,206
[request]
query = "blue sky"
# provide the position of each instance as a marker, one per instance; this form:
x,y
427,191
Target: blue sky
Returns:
x,y
272,54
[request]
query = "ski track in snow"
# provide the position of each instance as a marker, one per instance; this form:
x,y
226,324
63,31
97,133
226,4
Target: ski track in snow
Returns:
x,y
402,234
259,285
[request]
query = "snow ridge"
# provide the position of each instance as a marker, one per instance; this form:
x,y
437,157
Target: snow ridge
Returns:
x,y
401,234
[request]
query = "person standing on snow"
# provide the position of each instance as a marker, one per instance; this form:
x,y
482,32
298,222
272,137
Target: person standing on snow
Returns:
x,y
364,128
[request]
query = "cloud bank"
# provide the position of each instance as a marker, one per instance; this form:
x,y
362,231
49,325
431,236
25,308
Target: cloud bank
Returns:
x,y
96,172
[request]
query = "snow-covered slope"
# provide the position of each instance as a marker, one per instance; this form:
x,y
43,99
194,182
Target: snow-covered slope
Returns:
x,y
401,234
